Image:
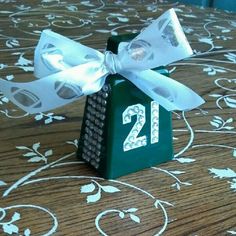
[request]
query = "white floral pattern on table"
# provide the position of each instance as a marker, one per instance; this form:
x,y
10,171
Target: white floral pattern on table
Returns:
x,y
212,33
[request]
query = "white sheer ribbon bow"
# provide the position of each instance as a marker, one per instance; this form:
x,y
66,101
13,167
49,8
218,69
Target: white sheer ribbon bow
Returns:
x,y
68,70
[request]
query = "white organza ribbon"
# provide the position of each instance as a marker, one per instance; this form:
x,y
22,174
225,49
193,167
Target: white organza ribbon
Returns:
x,y
68,70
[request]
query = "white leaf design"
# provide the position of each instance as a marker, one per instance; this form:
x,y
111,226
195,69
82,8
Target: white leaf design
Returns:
x,y
223,173
234,153
87,3
213,72
6,12
186,183
228,127
220,70
15,217
48,153
38,117
213,123
207,69
29,154
232,232
132,210
10,43
114,33
10,77
27,232
187,30
4,99
205,40
134,218
225,31
230,102
116,14
185,160
218,118
110,189
58,117
21,147
22,61
10,229
122,215
2,66
94,197
215,95
103,31
231,57
2,183
48,121
190,15
123,19
37,31
176,185
230,120
76,142
36,146
88,188
72,8
35,159
178,9
27,68
233,185
177,172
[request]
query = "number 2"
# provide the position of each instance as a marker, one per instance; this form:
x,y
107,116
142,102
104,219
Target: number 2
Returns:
x,y
132,141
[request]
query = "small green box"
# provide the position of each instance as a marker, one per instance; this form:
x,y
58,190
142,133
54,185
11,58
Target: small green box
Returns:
x,y
123,129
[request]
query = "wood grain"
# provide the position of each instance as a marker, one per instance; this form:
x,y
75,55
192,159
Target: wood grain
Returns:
x,y
207,207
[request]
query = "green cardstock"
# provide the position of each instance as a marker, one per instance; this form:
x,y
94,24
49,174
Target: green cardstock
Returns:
x,y
123,129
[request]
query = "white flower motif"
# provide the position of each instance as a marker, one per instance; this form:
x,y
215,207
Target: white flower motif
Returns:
x,y
212,70
48,118
220,124
225,173
89,188
231,56
34,155
206,40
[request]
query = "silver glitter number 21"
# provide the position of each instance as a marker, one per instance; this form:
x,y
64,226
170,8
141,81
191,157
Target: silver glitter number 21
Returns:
x,y
133,141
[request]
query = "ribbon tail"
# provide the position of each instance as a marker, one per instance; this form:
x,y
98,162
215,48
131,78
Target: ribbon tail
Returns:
x,y
55,90
169,93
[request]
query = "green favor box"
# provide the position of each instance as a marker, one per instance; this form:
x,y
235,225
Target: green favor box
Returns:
x,y
123,129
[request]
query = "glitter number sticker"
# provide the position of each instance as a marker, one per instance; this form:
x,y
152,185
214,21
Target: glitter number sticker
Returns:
x,y
154,122
133,141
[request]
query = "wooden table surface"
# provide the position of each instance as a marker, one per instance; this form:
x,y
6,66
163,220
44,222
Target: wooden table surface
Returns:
x,y
51,195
